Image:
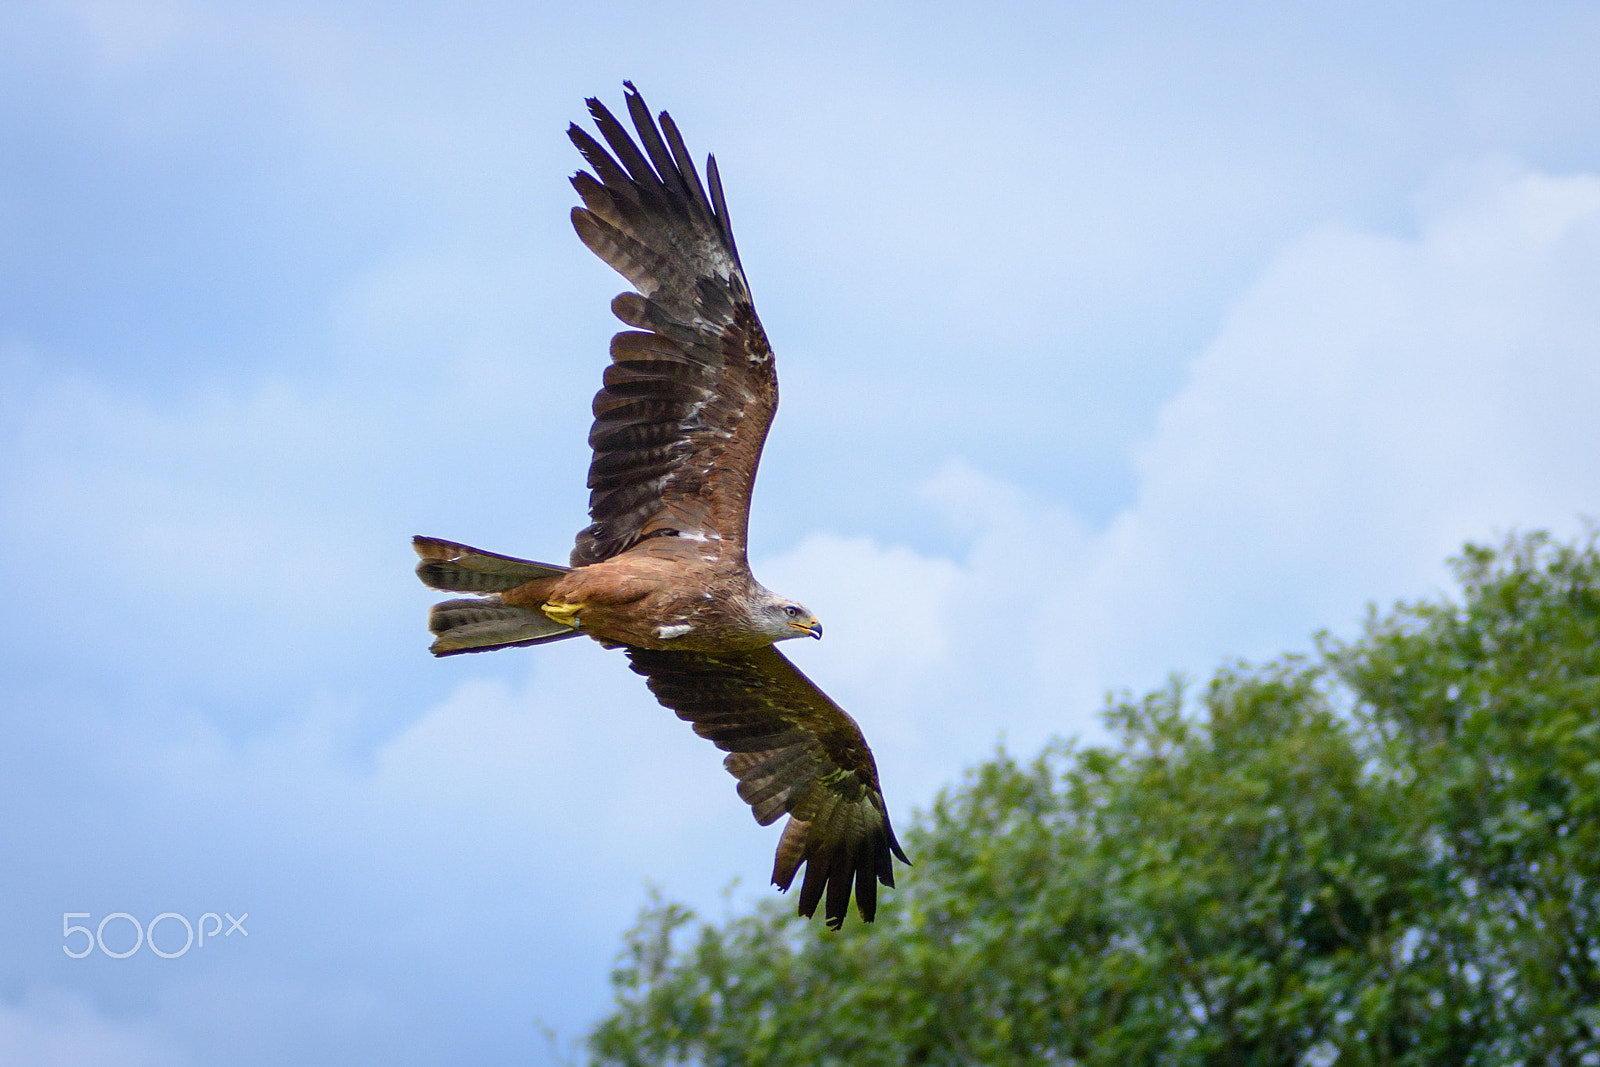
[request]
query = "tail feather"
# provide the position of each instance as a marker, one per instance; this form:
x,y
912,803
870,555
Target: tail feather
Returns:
x,y
483,624
457,568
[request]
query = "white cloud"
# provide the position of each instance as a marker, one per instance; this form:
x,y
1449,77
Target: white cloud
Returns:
x,y
1372,402
1369,404
350,228
896,618
131,38
59,1029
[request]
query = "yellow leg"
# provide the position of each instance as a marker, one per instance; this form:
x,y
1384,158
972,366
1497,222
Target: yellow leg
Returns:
x,y
562,611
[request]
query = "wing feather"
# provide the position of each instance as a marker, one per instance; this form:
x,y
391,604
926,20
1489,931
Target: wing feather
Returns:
x,y
664,165
626,152
685,406
684,165
794,752
720,205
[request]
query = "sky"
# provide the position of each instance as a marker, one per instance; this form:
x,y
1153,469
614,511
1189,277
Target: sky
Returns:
x,y
1115,341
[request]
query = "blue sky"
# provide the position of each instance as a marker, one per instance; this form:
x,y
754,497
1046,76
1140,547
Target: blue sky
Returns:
x,y
1114,341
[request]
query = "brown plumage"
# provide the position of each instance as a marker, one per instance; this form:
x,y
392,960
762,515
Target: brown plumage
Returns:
x,y
661,569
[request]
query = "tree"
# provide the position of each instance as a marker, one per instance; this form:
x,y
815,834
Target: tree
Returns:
x,y
1385,854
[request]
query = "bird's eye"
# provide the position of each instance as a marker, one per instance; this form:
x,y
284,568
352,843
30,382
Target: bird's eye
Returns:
x,y
792,611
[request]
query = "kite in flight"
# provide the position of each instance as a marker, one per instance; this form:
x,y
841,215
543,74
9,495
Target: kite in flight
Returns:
x,y
661,571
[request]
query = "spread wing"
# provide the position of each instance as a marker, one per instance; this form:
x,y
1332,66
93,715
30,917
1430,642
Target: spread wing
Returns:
x,y
690,392
794,752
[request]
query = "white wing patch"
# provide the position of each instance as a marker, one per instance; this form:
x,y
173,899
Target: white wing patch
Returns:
x,y
667,633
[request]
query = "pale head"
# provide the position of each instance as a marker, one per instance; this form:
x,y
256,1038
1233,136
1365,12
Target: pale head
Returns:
x,y
779,618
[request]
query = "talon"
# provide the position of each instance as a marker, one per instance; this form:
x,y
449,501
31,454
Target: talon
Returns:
x,y
562,611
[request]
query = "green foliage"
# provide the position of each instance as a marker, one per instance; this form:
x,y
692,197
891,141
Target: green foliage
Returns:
x,y
1386,855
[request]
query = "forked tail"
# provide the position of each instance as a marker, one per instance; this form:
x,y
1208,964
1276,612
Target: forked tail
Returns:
x,y
479,624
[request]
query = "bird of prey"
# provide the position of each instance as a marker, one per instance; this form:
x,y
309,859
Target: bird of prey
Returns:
x,y
661,570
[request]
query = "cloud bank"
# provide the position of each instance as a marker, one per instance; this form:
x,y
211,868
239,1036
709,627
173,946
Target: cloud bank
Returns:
x,y
221,699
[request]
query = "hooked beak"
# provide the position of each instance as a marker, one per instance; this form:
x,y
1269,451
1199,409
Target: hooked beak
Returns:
x,y
813,628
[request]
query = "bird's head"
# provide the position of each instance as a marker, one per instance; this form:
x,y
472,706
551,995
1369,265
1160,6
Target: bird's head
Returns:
x,y
781,618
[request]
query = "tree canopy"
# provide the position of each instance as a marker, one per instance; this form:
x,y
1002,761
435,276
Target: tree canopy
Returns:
x,y
1385,853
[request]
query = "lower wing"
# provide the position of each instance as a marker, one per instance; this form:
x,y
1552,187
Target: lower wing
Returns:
x,y
795,753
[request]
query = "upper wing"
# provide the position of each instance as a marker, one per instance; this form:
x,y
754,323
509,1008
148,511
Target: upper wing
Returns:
x,y
679,425
794,752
